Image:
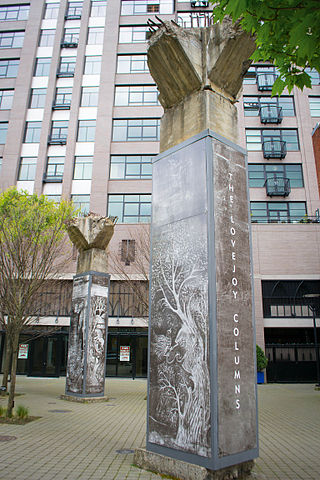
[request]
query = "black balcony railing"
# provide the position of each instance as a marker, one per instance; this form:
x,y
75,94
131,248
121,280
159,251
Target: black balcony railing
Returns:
x,y
59,139
278,187
270,113
199,3
274,148
282,217
265,81
65,73
69,44
61,105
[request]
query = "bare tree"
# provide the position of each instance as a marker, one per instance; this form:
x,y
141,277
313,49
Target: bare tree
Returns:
x,y
33,249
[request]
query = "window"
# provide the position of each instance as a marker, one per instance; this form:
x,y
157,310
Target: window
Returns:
x,y
133,34
90,96
42,67
266,73
315,76
135,130
47,38
27,170
130,167
82,168
136,95
132,64
92,65
38,98
59,131
86,130
3,132
256,137
128,251
63,96
6,98
95,35
98,8
71,37
74,10
81,202
51,11
11,39
277,212
130,208
194,19
67,66
314,103
143,7
32,132
1,163
9,68
252,104
259,173
55,167
14,12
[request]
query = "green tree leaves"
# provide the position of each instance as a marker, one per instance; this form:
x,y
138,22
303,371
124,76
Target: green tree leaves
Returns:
x,y
287,33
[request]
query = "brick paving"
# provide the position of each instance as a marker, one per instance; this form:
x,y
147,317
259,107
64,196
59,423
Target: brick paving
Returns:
x,y
73,441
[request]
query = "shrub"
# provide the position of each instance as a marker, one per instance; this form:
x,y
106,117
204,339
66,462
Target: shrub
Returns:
x,y
262,360
22,412
2,411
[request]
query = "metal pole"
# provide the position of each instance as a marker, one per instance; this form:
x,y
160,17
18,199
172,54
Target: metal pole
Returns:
x,y
316,346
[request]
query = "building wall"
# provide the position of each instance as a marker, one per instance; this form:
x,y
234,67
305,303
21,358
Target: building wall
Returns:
x,y
281,250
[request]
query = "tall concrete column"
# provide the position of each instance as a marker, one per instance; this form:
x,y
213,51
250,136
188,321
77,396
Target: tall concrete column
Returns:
x,y
88,324
202,414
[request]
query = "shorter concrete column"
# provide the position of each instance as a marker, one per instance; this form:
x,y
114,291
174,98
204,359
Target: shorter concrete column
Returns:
x,y
88,334
90,299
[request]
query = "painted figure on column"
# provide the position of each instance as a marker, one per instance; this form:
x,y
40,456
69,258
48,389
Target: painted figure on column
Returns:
x,y
88,325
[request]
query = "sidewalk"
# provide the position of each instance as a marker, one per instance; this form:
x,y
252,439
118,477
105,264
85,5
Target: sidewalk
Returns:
x,y
94,441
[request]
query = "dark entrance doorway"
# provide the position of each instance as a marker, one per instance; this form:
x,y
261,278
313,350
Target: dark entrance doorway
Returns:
x,y
127,354
48,356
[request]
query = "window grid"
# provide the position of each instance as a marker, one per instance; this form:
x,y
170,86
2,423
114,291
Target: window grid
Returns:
x,y
277,212
63,96
82,168
92,65
74,10
14,12
86,130
130,208
130,167
55,167
251,105
81,202
51,11
133,34
89,96
71,36
98,8
132,64
255,138
67,65
95,36
314,103
27,170
250,77
6,98
3,132
42,67
135,130
32,132
9,68
259,173
38,98
136,95
11,39
47,38
59,129
144,7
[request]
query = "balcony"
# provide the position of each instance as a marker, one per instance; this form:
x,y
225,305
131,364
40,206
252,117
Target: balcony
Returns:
x,y
201,4
277,187
52,178
57,139
270,113
69,44
274,148
65,73
265,81
61,105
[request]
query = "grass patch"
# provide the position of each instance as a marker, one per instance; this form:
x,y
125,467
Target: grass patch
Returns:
x,y
20,416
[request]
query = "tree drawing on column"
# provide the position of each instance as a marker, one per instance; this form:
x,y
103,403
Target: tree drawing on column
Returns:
x,y
179,291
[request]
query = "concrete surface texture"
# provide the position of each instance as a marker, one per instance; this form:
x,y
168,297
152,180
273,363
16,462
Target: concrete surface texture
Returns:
x,y
74,441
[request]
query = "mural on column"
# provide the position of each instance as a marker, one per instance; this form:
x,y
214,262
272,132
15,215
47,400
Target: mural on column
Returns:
x,y
179,409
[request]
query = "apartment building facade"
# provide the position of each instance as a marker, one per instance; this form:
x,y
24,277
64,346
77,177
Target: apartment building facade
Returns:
x,y
80,119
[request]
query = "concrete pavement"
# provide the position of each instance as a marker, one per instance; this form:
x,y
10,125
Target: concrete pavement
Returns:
x,y
73,441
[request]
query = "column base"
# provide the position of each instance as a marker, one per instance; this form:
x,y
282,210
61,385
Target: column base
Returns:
x,y
71,398
188,471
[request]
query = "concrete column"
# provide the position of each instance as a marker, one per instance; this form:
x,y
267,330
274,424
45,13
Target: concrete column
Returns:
x,y
90,298
202,413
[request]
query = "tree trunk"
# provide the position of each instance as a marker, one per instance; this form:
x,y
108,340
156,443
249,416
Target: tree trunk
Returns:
x,y
15,344
7,361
